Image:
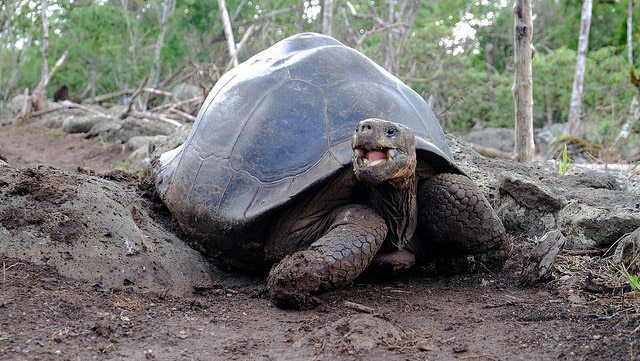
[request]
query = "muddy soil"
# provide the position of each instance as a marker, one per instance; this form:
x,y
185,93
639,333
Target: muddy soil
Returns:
x,y
47,316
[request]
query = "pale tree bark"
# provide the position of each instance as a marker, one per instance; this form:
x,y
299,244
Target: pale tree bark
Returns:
x,y
387,42
327,16
228,33
491,69
634,109
164,23
522,85
300,16
410,19
630,34
575,127
154,75
133,43
39,97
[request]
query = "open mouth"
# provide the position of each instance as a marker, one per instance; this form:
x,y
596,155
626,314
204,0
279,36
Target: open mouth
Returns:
x,y
373,157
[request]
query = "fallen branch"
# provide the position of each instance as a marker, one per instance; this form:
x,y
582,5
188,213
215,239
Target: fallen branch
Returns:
x,y
119,93
101,98
538,265
71,104
358,307
124,114
492,152
155,116
178,104
187,116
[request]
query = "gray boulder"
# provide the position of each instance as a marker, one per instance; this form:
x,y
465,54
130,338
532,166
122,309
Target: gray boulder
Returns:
x,y
120,131
82,123
14,106
592,208
184,91
498,138
145,141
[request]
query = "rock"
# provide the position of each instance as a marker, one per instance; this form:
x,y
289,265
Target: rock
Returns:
x,y
184,91
627,252
92,230
592,208
174,140
120,131
14,106
498,138
145,140
356,333
526,191
588,226
82,124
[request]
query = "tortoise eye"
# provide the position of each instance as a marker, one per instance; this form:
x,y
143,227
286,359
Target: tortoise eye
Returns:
x,y
391,132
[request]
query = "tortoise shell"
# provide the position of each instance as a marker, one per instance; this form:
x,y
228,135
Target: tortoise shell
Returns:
x,y
282,122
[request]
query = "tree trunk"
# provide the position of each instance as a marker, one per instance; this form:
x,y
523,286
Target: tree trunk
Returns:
x,y
575,106
327,16
387,43
132,38
522,85
630,34
40,92
228,33
300,17
411,18
634,109
155,66
491,70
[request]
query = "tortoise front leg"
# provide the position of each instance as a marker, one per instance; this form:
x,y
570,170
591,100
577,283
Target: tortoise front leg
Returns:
x,y
458,222
354,235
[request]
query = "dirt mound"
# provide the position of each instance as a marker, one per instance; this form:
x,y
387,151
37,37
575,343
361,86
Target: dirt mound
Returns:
x,y
93,230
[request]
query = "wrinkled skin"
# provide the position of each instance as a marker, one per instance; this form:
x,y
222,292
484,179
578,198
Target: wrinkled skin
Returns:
x,y
389,211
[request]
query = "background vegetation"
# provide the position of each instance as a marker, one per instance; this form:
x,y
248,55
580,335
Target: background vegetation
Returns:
x,y
457,54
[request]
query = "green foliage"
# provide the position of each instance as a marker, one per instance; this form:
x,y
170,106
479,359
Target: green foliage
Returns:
x,y
105,55
633,280
563,162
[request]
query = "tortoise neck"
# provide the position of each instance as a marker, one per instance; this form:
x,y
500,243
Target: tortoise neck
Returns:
x,y
395,201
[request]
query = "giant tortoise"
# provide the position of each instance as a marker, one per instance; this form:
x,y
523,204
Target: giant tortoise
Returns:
x,y
311,157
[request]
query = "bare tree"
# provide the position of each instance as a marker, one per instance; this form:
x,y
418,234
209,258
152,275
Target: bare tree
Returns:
x,y
578,80
630,34
491,69
327,16
133,39
634,111
300,16
168,8
39,96
387,42
228,33
522,85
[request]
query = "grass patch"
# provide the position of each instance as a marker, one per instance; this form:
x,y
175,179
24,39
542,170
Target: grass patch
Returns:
x,y
632,279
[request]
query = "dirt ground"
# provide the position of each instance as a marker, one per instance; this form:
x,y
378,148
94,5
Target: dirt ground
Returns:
x,y
32,145
45,316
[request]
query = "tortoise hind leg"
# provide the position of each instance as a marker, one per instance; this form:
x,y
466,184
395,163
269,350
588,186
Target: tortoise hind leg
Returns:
x,y
354,235
460,227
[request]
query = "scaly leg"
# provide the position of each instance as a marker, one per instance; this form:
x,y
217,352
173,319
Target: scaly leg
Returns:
x,y
459,225
354,235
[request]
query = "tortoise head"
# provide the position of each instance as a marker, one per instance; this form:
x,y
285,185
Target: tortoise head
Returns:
x,y
383,151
